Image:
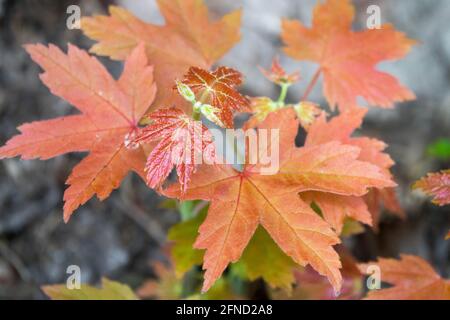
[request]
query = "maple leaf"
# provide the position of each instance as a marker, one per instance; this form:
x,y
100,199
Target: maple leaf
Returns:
x,y
278,75
412,278
387,198
219,86
336,208
311,286
436,185
348,59
351,227
182,236
307,112
187,39
240,201
167,287
253,262
277,274
221,290
183,143
111,290
261,107
110,112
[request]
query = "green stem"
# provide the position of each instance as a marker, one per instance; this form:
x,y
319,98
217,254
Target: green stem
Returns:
x,y
283,93
196,114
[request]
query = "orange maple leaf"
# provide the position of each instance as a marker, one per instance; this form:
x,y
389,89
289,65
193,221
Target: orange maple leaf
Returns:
x,y
387,198
436,185
110,112
412,278
187,39
240,201
348,59
183,143
219,87
336,208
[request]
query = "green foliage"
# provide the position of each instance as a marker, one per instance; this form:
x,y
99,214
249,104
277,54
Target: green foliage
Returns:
x,y
264,259
351,227
111,290
440,149
183,236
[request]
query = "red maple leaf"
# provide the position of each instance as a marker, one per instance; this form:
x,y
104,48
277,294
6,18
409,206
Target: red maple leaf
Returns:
x,y
278,75
436,185
110,112
219,89
183,143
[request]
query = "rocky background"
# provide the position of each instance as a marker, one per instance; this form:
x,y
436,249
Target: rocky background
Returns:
x,y
119,237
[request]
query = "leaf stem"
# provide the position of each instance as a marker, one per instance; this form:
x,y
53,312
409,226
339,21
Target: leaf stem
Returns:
x,y
196,113
283,93
312,84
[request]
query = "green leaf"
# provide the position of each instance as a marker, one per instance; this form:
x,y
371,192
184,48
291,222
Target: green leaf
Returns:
x,y
440,149
171,204
110,290
186,92
221,290
183,236
187,209
351,227
263,259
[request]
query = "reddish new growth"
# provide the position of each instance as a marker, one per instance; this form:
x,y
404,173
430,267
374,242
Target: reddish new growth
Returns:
x,y
183,143
436,185
219,89
278,75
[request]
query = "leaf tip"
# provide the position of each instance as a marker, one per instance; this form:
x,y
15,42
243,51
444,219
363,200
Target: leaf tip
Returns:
x,y
67,214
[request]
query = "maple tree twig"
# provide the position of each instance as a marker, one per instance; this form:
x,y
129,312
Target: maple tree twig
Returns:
x,y
312,84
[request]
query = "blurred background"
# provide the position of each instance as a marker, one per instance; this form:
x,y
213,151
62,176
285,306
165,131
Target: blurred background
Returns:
x,y
119,237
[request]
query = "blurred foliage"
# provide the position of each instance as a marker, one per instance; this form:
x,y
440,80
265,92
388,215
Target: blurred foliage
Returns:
x,y
183,236
254,262
111,290
440,149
